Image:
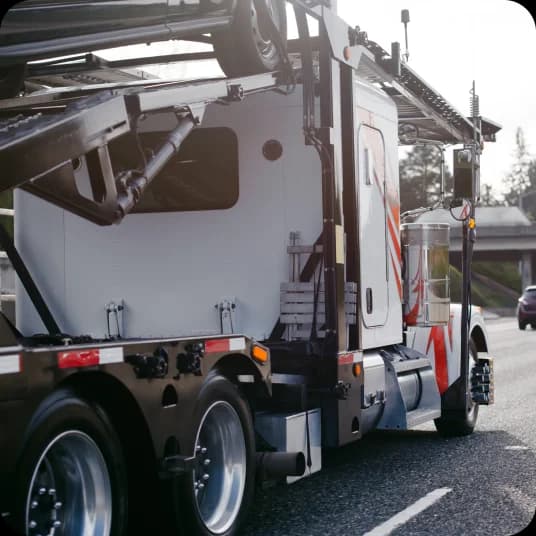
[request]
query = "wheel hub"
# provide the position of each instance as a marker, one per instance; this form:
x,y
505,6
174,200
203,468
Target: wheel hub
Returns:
x,y
201,474
70,490
45,511
219,474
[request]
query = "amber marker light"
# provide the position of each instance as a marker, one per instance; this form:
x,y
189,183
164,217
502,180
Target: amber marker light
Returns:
x,y
356,369
260,353
347,53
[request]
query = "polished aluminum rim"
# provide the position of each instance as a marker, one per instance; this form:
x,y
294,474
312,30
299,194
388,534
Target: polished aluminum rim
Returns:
x,y
219,476
70,491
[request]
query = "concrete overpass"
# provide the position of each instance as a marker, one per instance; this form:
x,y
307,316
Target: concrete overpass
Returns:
x,y
503,234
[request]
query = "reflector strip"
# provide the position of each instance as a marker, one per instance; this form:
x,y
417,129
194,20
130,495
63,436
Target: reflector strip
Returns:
x,y
85,358
10,364
111,355
238,343
346,359
225,345
90,358
217,346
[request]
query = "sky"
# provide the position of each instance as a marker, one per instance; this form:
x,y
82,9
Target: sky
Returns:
x,y
451,43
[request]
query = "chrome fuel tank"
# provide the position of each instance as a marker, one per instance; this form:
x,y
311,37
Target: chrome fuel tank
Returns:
x,y
425,250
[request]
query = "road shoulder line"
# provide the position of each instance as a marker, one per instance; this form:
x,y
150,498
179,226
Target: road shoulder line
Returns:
x,y
411,511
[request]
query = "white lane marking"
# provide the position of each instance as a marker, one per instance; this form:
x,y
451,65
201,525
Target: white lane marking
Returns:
x,y
516,447
411,511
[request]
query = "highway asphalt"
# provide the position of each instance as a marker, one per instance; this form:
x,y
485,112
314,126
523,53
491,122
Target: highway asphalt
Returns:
x,y
417,483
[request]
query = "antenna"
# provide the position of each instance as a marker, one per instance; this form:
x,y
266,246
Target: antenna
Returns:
x,y
405,20
474,104
476,119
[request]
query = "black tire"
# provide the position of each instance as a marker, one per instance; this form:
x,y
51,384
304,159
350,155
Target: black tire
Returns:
x,y
72,463
218,403
246,47
522,325
465,425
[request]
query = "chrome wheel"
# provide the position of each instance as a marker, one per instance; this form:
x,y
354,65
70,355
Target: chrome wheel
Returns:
x,y
70,491
219,477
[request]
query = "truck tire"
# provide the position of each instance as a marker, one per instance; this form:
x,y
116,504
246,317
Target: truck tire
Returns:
x,y
215,497
246,48
462,426
71,477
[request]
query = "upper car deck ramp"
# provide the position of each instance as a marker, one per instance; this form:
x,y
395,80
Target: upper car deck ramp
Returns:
x,y
423,113
48,130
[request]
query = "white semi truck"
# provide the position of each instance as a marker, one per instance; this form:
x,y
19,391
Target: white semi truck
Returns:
x,y
259,299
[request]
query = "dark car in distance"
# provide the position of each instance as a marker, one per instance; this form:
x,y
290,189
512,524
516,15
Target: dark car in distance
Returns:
x,y
40,29
526,308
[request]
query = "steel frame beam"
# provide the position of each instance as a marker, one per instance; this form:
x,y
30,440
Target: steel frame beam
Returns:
x,y
85,125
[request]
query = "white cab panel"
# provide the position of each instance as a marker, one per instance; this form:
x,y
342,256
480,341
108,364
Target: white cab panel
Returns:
x,y
379,218
373,227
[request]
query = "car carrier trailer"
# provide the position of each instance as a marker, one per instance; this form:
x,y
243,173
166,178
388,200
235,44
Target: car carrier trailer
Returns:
x,y
259,301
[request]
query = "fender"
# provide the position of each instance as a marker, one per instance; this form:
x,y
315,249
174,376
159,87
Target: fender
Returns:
x,y
442,344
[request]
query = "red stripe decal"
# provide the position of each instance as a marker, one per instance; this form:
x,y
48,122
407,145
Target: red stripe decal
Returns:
x,y
217,345
437,338
397,275
395,212
411,317
84,358
394,238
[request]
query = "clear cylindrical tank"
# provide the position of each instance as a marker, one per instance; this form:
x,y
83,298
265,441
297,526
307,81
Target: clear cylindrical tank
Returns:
x,y
425,252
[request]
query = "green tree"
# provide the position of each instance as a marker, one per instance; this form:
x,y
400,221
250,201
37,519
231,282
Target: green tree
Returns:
x,y
420,177
528,198
518,181
488,197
